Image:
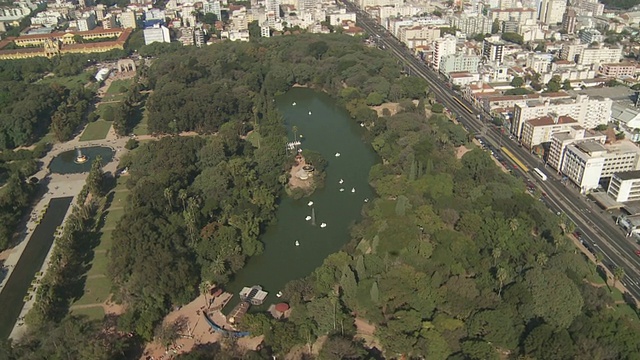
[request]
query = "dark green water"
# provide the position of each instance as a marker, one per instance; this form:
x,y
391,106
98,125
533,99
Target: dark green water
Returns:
x,y
11,298
327,130
64,163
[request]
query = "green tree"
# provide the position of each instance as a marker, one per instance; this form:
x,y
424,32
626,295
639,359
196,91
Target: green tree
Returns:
x,y
566,85
96,177
375,293
554,84
555,297
495,27
437,108
618,275
513,37
374,99
517,81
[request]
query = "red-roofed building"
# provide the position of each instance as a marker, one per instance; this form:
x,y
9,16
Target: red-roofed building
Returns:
x,y
539,130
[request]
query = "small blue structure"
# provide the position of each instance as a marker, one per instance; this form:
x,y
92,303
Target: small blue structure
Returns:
x,y
217,328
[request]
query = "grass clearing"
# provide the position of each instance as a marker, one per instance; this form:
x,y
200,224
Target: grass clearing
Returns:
x,y
99,264
254,138
96,290
68,81
105,242
142,127
112,218
119,86
119,199
96,130
102,108
616,295
93,313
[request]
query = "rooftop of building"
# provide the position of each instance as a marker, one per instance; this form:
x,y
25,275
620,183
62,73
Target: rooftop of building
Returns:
x,y
590,147
622,146
628,175
548,121
461,74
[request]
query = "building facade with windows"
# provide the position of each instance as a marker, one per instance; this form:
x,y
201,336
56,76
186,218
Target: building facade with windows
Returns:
x,y
625,186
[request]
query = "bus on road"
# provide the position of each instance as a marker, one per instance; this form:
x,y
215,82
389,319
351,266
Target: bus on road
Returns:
x,y
540,174
514,159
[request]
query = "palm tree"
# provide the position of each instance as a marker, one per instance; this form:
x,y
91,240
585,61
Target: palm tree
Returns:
x,y
618,275
182,195
168,194
542,259
514,224
204,290
501,275
496,253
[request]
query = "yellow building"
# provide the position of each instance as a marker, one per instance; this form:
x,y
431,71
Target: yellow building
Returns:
x,y
49,45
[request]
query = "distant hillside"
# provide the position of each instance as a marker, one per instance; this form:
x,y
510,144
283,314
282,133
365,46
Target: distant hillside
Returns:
x,y
620,4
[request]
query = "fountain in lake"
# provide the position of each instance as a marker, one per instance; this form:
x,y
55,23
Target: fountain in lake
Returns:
x,y
80,157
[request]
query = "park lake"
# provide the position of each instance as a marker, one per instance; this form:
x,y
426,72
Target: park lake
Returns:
x,y
327,129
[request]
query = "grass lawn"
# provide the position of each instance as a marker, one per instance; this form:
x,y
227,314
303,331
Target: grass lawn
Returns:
x,y
99,264
93,313
96,290
119,86
141,128
112,218
616,295
68,81
113,97
105,241
119,199
102,107
595,278
121,183
96,130
254,138
624,310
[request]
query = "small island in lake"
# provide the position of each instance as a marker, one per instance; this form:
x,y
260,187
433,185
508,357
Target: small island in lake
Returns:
x,y
306,175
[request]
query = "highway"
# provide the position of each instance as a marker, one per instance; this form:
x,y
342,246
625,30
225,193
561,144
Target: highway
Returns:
x,y
597,227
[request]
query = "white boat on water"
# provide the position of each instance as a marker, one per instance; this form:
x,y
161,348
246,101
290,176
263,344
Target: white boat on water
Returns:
x,y
353,190
341,181
310,203
341,189
294,103
297,243
337,154
323,225
309,112
279,294
366,200
361,124
308,218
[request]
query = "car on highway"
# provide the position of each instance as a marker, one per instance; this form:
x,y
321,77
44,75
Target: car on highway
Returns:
x,y
637,252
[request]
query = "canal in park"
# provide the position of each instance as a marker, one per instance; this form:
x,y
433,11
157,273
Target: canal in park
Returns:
x,y
328,130
12,296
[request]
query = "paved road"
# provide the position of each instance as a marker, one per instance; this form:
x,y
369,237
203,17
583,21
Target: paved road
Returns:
x,y
597,227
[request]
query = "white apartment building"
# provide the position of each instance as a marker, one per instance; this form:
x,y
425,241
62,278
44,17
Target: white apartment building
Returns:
x,y
463,78
625,186
587,36
337,17
157,33
589,7
531,30
109,22
443,46
560,140
128,20
517,15
539,130
471,23
551,11
213,7
585,163
590,56
589,112
539,62
459,63
418,35
87,23
571,52
265,31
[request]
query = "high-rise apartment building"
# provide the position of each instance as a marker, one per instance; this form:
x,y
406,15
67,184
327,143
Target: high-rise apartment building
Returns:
x,y
471,23
443,46
87,23
493,49
569,21
551,11
589,112
128,20
157,33
213,7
